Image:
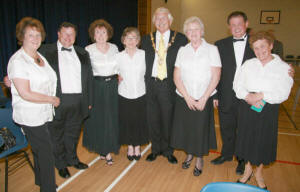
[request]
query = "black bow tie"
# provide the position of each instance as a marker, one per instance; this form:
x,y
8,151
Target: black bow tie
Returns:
x,y
236,40
66,49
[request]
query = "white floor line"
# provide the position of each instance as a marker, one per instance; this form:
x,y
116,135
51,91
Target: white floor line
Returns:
x,y
94,161
291,134
125,171
77,174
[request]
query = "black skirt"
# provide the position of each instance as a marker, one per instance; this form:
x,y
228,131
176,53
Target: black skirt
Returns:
x,y
132,121
257,134
193,131
101,129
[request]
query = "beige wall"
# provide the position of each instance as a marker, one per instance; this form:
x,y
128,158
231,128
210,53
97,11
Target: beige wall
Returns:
x,y
214,13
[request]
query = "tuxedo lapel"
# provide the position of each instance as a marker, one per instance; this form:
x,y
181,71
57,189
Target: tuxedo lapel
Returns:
x,y
152,51
82,62
53,61
248,52
231,53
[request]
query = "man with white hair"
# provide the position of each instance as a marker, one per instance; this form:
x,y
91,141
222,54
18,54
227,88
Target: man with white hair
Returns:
x,y
161,49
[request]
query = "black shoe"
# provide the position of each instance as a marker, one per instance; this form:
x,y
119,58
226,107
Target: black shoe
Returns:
x,y
238,181
130,158
151,157
186,164
240,167
172,159
80,165
137,157
197,171
221,159
64,173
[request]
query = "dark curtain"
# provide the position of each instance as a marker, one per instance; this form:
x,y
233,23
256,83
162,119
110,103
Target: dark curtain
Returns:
x,y
119,13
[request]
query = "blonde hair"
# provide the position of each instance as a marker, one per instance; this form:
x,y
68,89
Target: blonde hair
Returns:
x,y
193,19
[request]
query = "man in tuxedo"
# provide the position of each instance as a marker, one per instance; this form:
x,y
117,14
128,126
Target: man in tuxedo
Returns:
x,y
234,51
73,68
161,49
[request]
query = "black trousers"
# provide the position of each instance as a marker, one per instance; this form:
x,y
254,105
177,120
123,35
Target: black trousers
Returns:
x,y
160,109
228,127
41,146
65,130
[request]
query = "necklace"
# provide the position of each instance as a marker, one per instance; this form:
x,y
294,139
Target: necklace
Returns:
x,y
169,44
38,60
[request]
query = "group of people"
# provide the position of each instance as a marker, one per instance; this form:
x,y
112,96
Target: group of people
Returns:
x,y
163,92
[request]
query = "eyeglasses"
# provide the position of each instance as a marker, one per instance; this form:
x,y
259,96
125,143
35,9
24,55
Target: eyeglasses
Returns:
x,y
131,38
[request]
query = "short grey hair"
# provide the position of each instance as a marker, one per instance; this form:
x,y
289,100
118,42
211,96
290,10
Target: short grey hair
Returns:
x,y
193,19
162,10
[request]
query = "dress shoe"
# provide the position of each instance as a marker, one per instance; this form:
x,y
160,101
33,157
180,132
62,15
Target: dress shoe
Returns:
x,y
130,157
239,181
186,164
261,181
151,157
64,173
80,165
240,167
221,159
137,157
172,159
197,171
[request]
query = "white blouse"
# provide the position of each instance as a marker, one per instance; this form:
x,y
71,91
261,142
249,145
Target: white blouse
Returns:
x,y
132,70
103,64
42,79
272,80
195,67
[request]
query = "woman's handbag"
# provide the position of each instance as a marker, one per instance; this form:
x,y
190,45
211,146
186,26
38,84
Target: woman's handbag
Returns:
x,y
8,139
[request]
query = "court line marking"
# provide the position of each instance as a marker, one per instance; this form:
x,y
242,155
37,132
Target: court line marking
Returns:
x,y
125,171
93,162
290,134
134,162
77,174
278,161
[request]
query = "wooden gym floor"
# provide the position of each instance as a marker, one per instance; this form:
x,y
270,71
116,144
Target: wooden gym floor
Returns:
x,y
124,176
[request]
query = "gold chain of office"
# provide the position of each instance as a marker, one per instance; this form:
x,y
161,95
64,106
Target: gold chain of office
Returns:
x,y
169,45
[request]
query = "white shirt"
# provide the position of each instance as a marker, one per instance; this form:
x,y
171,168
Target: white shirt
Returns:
x,y
69,70
42,79
195,67
132,70
166,37
239,51
103,64
272,80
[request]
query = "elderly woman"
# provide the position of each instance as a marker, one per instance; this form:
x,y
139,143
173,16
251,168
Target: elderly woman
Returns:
x,y
101,133
196,75
262,84
33,87
132,103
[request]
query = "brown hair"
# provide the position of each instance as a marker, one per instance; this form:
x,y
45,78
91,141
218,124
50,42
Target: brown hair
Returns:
x,y
237,14
28,22
128,30
100,23
67,25
260,36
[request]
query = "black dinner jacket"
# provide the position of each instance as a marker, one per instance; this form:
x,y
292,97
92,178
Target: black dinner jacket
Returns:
x,y
50,52
146,45
225,92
